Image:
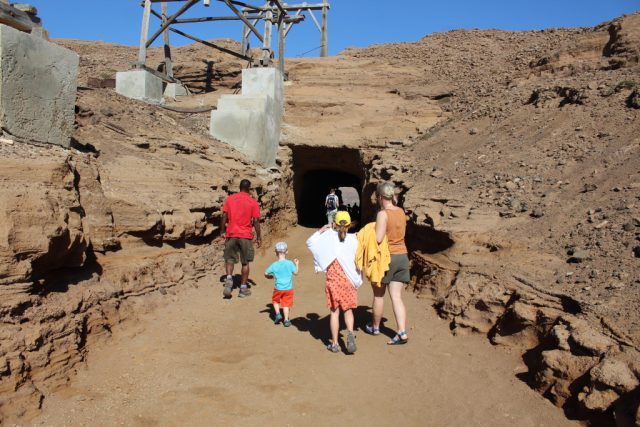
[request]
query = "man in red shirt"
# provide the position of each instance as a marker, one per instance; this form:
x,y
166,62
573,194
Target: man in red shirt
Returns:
x,y
240,213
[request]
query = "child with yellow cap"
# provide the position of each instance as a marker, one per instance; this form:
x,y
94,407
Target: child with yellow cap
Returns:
x,y
334,252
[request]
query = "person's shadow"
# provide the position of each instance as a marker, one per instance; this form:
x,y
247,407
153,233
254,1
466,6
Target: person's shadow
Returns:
x,y
318,327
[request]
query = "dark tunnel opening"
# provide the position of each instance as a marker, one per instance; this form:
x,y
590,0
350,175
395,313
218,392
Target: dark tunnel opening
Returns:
x,y
316,171
316,185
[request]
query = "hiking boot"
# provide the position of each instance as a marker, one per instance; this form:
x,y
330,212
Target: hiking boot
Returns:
x,y
228,287
333,348
244,292
351,343
277,319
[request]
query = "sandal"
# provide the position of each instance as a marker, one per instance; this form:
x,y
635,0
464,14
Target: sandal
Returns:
x,y
333,348
287,323
400,338
351,343
371,330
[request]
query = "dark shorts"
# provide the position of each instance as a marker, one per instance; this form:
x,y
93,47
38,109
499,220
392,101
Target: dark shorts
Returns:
x,y
235,248
398,270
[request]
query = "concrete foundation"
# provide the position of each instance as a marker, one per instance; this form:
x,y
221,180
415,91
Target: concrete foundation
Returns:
x,y
140,85
37,88
260,81
173,90
251,122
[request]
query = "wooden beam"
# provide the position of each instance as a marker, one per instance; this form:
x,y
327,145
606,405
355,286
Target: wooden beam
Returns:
x,y
292,7
158,74
212,45
244,40
144,32
281,46
18,19
214,18
318,26
324,37
168,66
239,14
268,29
243,4
279,6
170,20
290,26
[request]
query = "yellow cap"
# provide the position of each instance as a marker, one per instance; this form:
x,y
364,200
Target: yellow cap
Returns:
x,y
343,216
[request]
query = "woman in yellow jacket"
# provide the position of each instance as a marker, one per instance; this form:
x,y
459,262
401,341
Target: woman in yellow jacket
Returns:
x,y
391,223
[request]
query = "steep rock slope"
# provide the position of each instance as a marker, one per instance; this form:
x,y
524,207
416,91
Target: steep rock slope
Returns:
x,y
92,235
517,158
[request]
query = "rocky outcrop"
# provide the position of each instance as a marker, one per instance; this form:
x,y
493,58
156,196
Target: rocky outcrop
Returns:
x,y
95,235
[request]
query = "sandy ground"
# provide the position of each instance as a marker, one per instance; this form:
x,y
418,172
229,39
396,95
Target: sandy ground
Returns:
x,y
203,360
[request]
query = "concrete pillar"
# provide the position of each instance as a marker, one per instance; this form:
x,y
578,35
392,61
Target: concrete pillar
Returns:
x,y
38,86
251,122
174,90
140,85
265,81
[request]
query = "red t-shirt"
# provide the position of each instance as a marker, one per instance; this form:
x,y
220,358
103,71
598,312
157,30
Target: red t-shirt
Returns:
x,y
240,208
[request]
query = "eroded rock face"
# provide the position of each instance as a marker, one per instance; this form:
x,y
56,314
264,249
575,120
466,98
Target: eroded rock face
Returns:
x,y
522,228
91,238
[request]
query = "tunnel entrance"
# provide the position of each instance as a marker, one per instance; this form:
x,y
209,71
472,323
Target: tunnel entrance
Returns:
x,y
319,169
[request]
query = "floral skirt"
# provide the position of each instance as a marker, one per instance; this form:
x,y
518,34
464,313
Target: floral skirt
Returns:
x,y
340,292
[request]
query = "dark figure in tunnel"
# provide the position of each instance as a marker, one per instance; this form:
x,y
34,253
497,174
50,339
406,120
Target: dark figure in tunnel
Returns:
x,y
311,190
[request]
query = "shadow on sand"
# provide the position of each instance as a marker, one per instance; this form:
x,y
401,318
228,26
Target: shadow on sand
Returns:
x,y
318,327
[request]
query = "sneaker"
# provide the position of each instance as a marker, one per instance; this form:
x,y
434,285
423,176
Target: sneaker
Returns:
x,y
287,323
277,319
333,348
228,287
351,343
244,292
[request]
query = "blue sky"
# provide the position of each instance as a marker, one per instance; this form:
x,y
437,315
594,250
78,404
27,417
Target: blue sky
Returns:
x,y
351,22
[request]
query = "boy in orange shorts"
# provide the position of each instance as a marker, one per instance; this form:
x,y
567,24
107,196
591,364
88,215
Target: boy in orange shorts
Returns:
x,y
282,271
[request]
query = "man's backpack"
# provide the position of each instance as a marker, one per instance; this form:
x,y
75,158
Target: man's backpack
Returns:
x,y
332,203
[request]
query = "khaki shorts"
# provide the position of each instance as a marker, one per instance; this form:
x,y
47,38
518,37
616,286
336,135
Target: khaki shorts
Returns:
x,y
398,270
235,246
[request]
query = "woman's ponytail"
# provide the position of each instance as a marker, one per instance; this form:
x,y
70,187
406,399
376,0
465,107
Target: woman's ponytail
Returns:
x,y
343,227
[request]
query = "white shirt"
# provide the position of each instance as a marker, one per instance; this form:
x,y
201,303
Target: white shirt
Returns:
x,y
326,247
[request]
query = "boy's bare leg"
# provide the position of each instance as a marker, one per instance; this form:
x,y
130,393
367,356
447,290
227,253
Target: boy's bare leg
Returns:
x,y
285,310
276,309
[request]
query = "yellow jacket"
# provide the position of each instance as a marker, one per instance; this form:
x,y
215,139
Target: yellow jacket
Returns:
x,y
372,258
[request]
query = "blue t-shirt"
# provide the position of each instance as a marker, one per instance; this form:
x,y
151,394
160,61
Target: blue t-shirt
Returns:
x,y
283,271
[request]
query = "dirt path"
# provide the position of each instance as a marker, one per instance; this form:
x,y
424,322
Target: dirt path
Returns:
x,y
207,361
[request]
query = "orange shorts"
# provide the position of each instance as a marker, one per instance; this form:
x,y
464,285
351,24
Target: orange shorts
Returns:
x,y
283,298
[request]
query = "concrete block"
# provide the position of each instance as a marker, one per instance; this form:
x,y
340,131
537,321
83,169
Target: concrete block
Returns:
x,y
248,123
258,81
38,86
140,85
244,102
173,90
